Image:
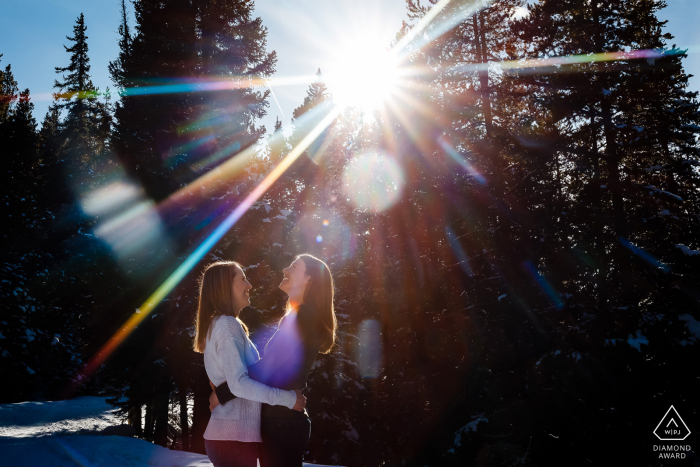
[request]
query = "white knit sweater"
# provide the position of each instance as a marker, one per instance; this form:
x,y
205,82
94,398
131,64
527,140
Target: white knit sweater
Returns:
x,y
227,354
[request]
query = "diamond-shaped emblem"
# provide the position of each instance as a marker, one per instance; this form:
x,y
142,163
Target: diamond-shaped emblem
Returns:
x,y
672,427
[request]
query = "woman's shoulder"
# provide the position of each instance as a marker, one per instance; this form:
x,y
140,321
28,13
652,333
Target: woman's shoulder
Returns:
x,y
229,325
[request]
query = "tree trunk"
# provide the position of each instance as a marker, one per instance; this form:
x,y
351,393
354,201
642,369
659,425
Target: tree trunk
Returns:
x,y
622,254
160,437
135,420
597,224
148,427
184,424
484,77
200,411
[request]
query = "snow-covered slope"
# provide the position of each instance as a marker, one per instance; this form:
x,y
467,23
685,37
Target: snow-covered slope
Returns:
x,y
93,451
74,416
66,433
54,434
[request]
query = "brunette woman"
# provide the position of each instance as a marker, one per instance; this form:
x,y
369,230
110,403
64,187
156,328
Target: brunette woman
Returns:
x,y
233,433
308,327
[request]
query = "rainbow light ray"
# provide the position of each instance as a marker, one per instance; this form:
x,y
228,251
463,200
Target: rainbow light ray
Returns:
x,y
573,59
207,84
170,283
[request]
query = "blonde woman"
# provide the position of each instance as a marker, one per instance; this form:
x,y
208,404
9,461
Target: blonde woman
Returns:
x,y
308,328
233,433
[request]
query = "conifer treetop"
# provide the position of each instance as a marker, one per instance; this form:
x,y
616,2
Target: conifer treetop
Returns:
x,y
78,78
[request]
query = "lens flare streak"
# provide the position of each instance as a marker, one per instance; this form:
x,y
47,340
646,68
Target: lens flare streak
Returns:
x,y
76,456
643,254
441,28
544,284
217,156
458,158
458,251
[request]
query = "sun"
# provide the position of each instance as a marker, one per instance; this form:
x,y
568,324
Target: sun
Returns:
x,y
364,75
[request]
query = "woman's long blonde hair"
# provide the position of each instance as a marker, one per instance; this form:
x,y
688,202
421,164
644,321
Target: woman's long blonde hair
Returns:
x,y
319,294
215,298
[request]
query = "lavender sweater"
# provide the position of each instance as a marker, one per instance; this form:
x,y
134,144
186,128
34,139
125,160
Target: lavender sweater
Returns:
x,y
227,354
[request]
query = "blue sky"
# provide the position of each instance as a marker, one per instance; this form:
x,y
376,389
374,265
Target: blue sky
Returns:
x,y
307,35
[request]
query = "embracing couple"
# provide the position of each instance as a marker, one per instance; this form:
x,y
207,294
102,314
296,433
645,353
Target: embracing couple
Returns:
x,y
257,408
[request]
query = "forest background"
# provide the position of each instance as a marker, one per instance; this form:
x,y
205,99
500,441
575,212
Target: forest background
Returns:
x,y
513,231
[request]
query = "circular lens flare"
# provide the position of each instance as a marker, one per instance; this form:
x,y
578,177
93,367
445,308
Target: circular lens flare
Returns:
x,y
373,181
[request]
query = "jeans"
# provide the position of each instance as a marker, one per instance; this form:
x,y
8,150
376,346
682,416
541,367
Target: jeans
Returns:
x,y
231,453
284,441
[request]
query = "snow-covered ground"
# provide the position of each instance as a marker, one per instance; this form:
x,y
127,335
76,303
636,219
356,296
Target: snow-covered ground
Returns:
x,y
74,416
67,433
55,434
93,451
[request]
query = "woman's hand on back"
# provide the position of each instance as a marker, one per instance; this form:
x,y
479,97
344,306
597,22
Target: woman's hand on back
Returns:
x,y
301,401
213,401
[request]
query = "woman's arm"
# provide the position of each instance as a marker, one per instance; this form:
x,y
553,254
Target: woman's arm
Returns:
x,y
223,393
231,351
226,395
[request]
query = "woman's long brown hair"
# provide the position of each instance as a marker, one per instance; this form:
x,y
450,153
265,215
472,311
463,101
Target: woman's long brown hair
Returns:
x,y
215,297
319,293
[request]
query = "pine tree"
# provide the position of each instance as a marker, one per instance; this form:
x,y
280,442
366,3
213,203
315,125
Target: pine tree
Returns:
x,y
207,41
233,46
40,344
118,65
19,151
315,96
76,90
278,124
54,189
8,92
80,128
